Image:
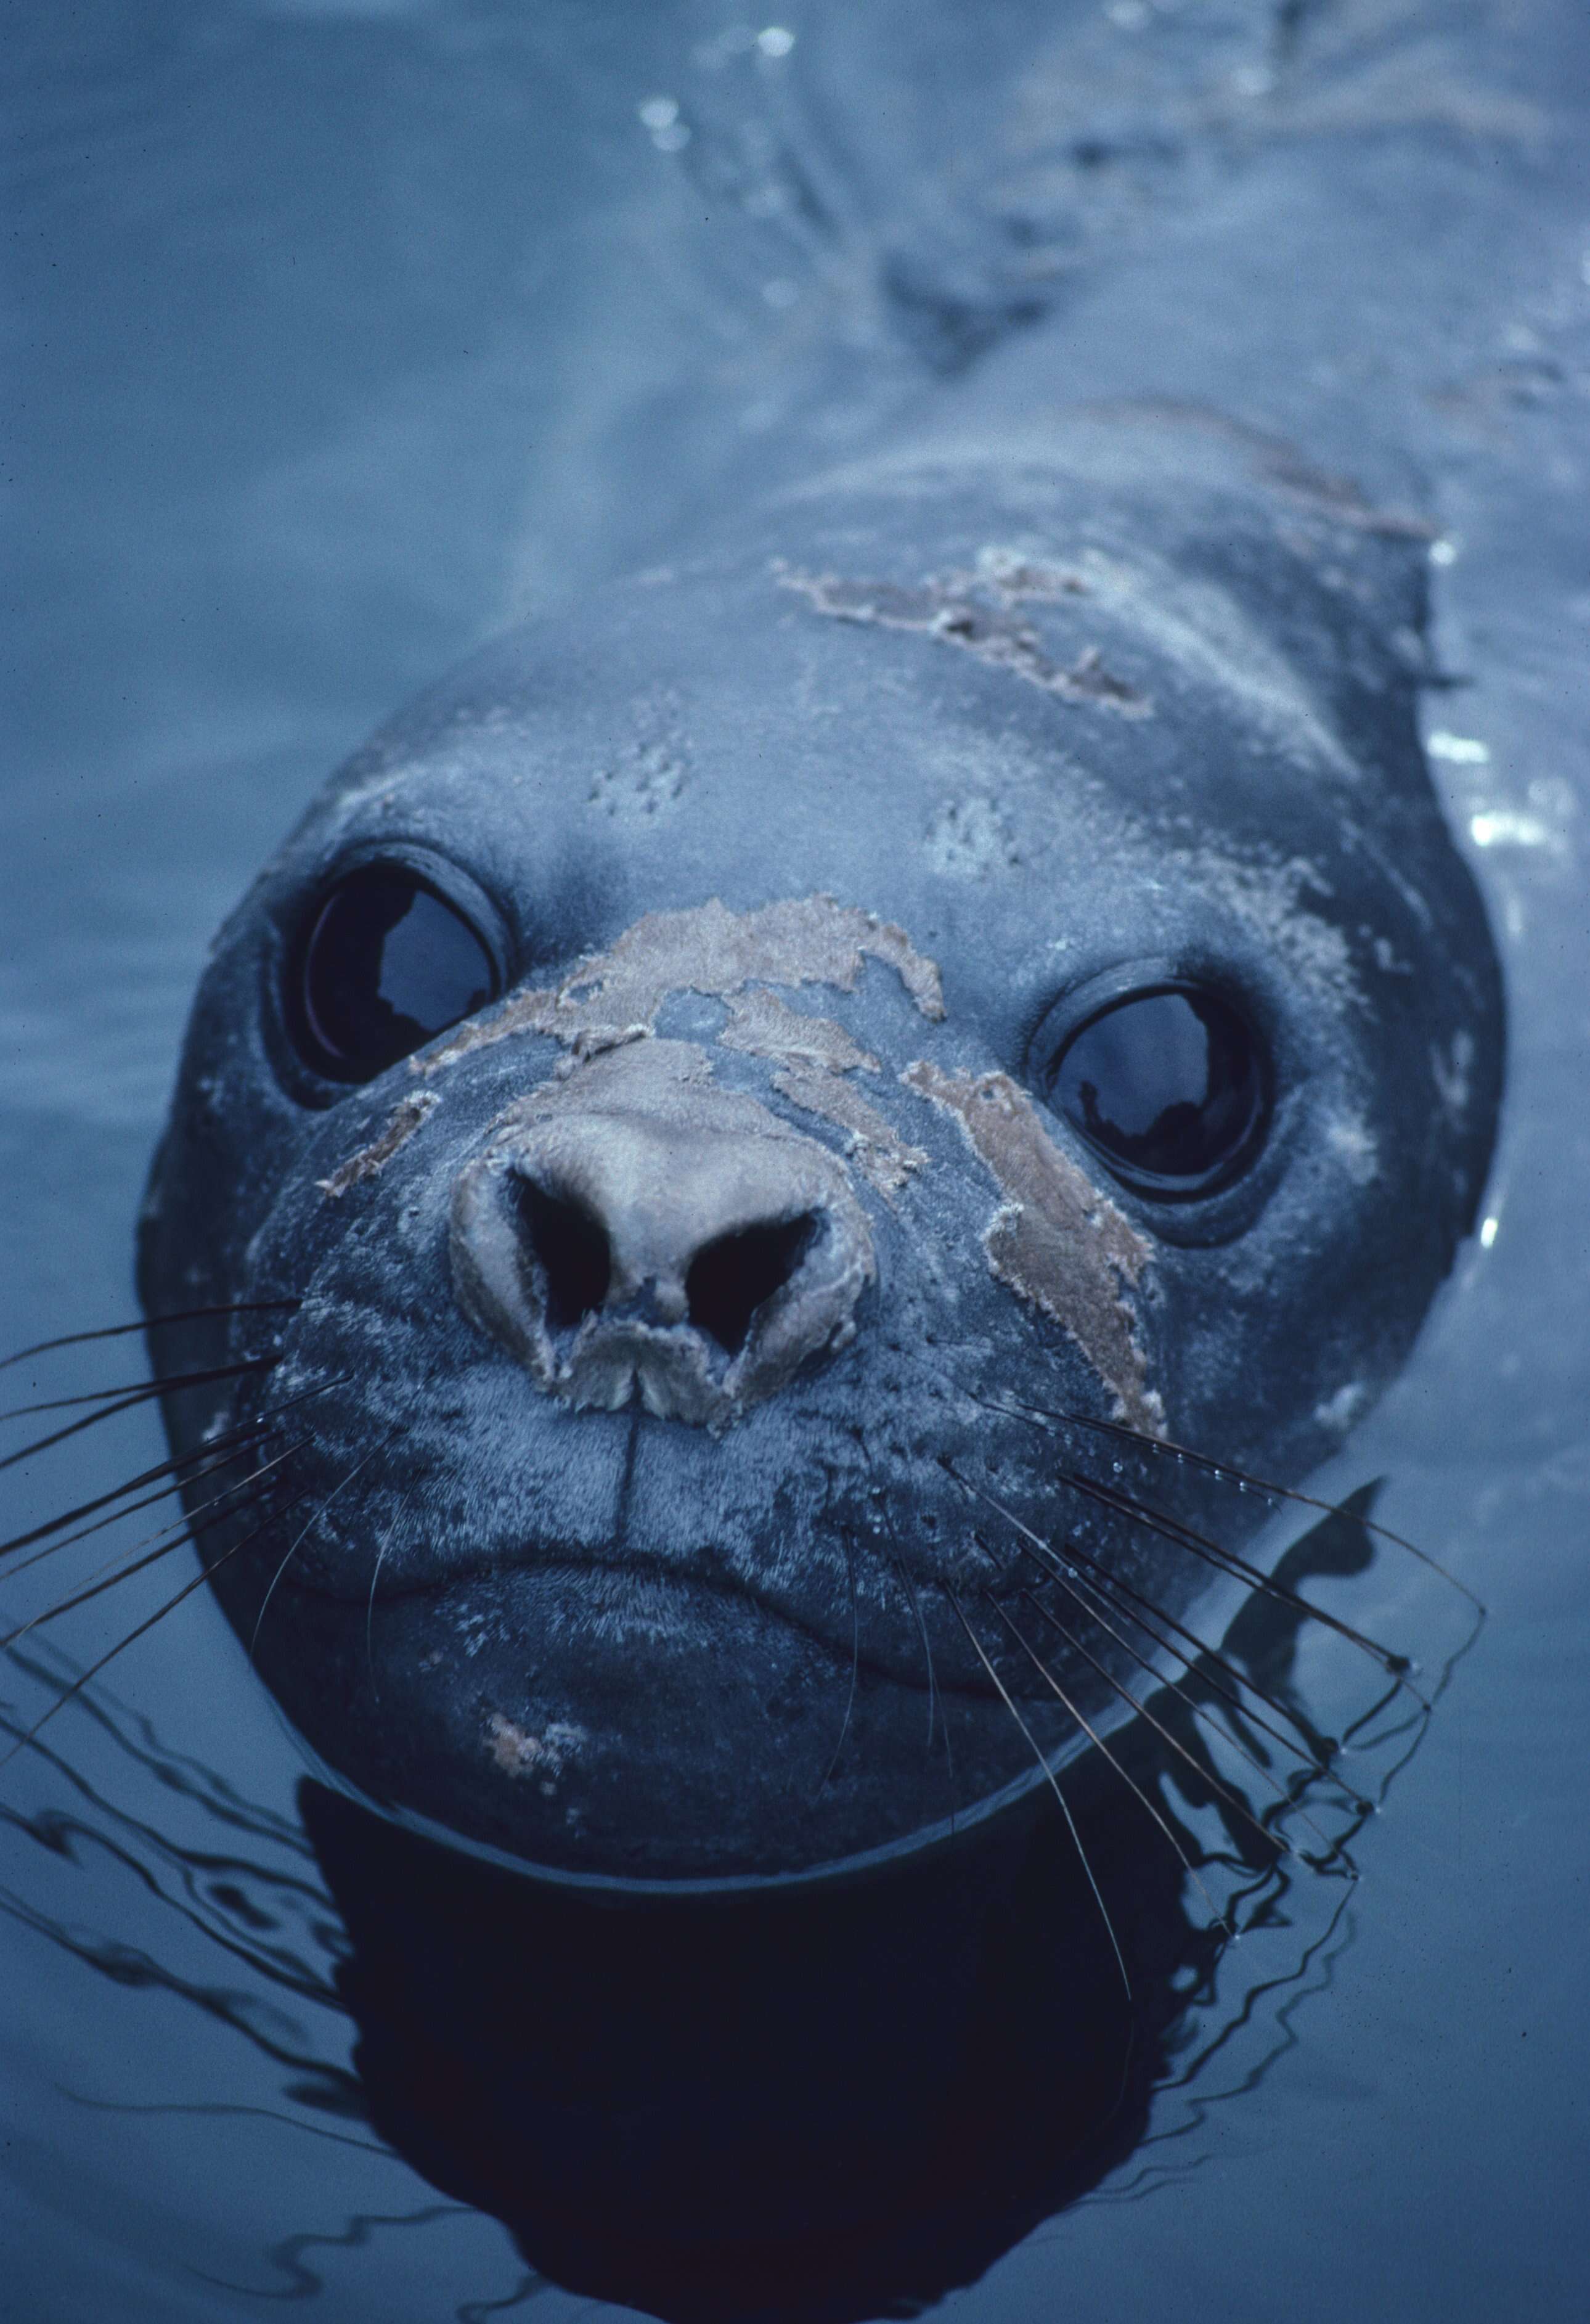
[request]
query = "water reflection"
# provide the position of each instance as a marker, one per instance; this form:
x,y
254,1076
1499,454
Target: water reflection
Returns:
x,y
826,2106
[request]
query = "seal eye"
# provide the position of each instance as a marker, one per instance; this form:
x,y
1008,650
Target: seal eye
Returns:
x,y
1171,1086
383,963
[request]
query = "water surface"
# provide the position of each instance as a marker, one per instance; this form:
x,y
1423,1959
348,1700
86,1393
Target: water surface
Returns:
x,y
337,337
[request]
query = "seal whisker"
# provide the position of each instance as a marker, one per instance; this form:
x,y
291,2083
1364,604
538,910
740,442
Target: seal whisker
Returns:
x,y
1203,1768
1044,1558
150,1500
176,1525
1051,1777
148,1324
122,1573
386,1543
1206,1660
1316,1753
136,1389
129,1400
1224,1469
1182,1535
187,1591
1045,1672
231,1441
914,1601
1217,1669
1088,1597
125,1571
307,1528
235,1441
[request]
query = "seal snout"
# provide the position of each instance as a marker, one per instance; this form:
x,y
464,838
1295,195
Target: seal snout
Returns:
x,y
637,1231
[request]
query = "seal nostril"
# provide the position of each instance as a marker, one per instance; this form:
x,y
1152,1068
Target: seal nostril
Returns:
x,y
572,1249
730,1279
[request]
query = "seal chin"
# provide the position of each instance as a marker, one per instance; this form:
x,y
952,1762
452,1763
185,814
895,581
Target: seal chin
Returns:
x,y
556,1715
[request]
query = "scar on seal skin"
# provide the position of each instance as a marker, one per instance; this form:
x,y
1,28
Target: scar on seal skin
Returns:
x,y
405,1120
951,610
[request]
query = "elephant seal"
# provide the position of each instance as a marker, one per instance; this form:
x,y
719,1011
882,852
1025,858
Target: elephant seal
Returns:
x,y
742,1089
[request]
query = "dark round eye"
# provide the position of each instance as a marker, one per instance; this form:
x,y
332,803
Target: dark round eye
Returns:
x,y
1171,1086
383,963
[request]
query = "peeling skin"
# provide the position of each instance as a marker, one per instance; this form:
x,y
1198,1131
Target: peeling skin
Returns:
x,y
615,997
812,1054
948,610
1269,897
1016,577
1190,622
1054,1239
877,1151
373,1159
518,1753
763,1025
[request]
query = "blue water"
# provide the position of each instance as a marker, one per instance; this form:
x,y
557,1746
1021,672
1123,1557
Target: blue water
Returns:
x,y
337,337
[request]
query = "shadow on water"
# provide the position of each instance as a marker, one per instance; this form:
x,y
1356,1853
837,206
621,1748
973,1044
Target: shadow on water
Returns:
x,y
824,2105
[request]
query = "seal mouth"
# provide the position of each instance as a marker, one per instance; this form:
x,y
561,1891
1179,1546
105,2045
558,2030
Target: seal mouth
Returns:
x,y
656,1608
600,1722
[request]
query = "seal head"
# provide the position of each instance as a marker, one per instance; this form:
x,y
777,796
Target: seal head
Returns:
x,y
726,1074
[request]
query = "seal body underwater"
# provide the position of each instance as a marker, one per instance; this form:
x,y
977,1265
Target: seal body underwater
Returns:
x,y
726,1115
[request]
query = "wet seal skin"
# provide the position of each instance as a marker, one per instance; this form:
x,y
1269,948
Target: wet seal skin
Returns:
x,y
1053,991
